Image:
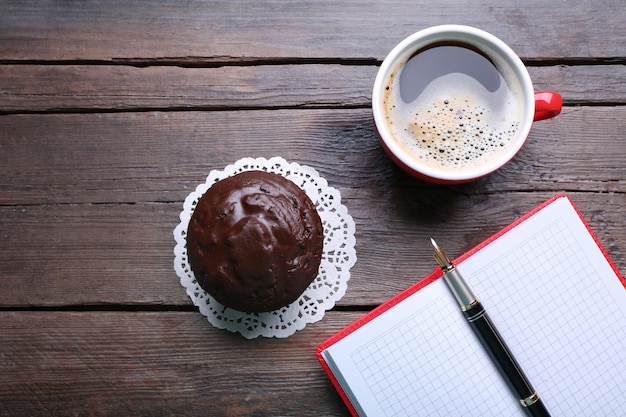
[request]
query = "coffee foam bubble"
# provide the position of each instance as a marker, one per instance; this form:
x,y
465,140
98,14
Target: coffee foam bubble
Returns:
x,y
455,124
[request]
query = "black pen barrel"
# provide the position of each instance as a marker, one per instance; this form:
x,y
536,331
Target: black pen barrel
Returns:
x,y
504,360
489,336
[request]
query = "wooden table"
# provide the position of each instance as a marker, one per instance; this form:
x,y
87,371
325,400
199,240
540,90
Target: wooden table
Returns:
x,y
112,112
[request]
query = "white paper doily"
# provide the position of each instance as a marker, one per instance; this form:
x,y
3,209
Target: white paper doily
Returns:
x,y
334,272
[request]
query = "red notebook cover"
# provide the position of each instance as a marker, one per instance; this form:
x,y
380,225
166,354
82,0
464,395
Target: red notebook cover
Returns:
x,y
436,274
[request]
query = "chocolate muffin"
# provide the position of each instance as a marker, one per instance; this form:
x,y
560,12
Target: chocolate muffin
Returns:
x,y
255,241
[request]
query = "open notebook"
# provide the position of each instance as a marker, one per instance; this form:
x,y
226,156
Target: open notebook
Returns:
x,y
552,292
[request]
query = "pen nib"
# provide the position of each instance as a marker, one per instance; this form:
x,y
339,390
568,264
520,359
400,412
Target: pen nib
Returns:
x,y
440,256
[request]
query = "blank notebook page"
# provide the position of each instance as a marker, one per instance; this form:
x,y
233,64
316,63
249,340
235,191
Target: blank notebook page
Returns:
x,y
552,295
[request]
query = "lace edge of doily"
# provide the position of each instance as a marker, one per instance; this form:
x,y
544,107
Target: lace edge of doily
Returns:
x,y
186,275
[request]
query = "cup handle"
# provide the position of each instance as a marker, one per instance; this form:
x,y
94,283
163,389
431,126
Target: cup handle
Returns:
x,y
548,104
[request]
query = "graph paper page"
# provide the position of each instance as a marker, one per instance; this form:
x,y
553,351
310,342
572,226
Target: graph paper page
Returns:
x,y
554,298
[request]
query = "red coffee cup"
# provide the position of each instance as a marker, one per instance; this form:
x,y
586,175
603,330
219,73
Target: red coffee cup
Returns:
x,y
454,103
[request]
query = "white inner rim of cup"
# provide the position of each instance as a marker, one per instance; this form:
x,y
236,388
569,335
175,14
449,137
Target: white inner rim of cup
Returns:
x,y
498,51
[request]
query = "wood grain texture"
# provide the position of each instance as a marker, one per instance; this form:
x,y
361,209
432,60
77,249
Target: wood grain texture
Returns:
x,y
112,112
122,254
162,156
74,88
161,364
223,31
105,88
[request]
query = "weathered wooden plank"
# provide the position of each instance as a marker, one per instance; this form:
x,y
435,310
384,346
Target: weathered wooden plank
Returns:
x,y
86,254
593,84
121,363
97,87
205,31
154,156
81,253
41,88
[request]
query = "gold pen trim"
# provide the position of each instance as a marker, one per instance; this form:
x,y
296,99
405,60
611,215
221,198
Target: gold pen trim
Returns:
x,y
530,400
471,305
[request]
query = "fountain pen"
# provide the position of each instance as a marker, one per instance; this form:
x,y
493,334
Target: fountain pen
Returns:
x,y
490,337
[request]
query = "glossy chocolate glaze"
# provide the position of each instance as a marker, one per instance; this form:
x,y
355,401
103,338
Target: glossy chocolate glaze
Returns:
x,y
255,241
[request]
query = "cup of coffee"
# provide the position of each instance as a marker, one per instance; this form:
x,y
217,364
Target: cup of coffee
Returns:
x,y
453,103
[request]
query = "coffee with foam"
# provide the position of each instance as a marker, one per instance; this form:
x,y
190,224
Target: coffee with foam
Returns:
x,y
450,107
